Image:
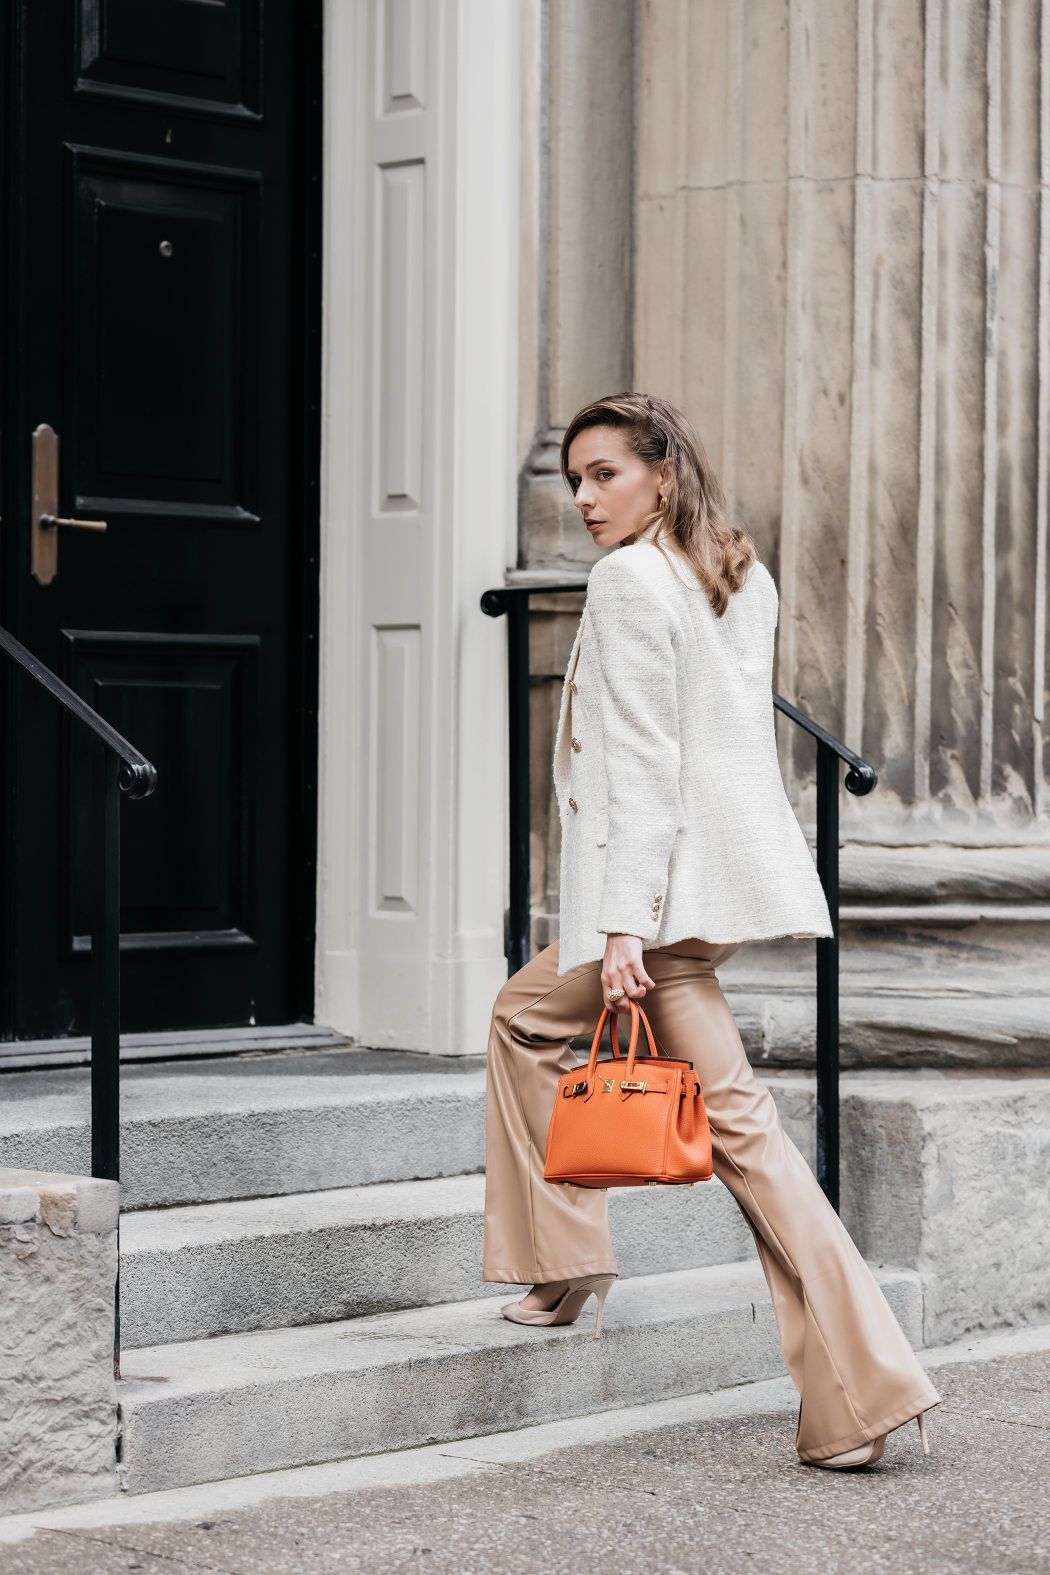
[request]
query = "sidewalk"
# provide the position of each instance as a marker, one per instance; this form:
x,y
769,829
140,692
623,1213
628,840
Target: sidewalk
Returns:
x,y
708,1483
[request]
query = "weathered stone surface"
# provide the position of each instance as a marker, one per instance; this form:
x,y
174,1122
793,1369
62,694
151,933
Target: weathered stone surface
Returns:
x,y
58,1261
268,1128
844,299
256,1402
979,1033
268,1262
945,1173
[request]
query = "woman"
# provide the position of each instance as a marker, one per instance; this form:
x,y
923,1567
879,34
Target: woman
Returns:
x,y
678,844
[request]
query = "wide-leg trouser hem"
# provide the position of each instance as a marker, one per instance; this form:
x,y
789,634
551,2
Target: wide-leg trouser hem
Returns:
x,y
897,1418
842,1344
538,1274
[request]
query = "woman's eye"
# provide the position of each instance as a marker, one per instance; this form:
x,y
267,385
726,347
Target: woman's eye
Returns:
x,y
605,473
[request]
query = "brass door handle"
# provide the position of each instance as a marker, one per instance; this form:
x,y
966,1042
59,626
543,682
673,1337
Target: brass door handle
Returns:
x,y
56,519
43,554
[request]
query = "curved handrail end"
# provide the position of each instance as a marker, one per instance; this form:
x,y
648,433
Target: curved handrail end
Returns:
x,y
860,779
137,779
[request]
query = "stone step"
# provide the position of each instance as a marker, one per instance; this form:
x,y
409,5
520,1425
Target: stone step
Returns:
x,y
206,1410
933,1161
945,1172
172,1044
219,1268
883,1026
196,1132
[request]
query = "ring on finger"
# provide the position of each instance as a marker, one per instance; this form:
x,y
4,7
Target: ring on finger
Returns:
x,y
616,995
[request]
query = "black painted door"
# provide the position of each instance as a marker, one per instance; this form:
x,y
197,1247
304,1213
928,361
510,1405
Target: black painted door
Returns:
x,y
160,316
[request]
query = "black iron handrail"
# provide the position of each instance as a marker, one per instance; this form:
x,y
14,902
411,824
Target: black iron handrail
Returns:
x,y
513,600
117,768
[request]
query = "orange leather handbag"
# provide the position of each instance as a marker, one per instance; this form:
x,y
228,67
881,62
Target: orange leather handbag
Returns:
x,y
628,1123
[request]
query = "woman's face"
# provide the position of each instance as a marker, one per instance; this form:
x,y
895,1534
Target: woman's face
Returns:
x,y
614,489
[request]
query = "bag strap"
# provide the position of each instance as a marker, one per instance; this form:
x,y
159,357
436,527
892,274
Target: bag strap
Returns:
x,y
637,1014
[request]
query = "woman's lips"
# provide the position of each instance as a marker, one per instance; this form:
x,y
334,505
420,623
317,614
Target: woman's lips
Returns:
x,y
594,524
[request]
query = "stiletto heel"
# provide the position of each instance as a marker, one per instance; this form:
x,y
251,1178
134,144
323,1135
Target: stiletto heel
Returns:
x,y
921,1419
569,1305
601,1292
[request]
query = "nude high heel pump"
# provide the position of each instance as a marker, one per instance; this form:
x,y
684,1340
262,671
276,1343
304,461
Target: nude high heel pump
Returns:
x,y
569,1305
864,1455
867,1454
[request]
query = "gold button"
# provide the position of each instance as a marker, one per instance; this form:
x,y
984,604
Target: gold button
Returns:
x,y
576,744
573,804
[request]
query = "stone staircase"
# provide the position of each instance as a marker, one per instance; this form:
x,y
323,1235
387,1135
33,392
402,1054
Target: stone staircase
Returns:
x,y
302,1240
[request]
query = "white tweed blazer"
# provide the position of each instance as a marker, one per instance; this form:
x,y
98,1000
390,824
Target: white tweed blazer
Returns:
x,y
674,818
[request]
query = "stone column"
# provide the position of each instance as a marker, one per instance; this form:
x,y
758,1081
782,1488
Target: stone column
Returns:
x,y
576,328
579,98
841,272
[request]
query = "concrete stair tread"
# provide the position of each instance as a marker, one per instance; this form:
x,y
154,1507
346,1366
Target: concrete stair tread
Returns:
x,y
194,1224
146,1098
174,1043
200,1270
277,1126
231,1361
241,1403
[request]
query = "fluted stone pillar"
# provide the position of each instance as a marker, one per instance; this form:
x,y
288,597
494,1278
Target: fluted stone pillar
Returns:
x,y
840,269
577,224
840,221
579,190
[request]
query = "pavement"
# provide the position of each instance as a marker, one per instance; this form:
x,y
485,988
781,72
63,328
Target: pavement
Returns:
x,y
704,1485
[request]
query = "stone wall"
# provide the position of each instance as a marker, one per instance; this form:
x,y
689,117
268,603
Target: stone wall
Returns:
x,y
944,1173
823,231
58,1264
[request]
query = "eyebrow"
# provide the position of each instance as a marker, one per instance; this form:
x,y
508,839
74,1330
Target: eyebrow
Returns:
x,y
594,465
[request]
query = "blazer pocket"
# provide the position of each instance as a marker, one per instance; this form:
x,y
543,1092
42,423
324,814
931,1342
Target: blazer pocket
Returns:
x,y
601,828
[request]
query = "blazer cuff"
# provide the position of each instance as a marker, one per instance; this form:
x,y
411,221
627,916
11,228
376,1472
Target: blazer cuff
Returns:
x,y
641,916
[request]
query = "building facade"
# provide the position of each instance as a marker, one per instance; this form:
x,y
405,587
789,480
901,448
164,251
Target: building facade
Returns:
x,y
823,232
324,319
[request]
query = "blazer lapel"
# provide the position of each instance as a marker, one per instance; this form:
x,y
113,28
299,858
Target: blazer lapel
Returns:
x,y
561,739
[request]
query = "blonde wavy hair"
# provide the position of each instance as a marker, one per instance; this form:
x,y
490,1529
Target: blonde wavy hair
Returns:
x,y
693,521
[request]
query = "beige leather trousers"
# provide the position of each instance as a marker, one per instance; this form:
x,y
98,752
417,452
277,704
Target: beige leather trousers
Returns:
x,y
843,1347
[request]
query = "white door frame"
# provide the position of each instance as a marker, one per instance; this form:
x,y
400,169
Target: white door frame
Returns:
x,y
418,515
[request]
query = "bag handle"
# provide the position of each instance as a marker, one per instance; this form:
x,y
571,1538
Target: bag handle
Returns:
x,y
637,1014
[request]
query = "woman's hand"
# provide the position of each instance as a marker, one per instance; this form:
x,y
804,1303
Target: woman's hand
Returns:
x,y
622,970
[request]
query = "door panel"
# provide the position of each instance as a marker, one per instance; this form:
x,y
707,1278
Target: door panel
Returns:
x,y
167,277
190,856
204,56
158,314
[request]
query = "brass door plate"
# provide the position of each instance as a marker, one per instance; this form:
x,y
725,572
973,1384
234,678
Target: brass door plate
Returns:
x,y
43,534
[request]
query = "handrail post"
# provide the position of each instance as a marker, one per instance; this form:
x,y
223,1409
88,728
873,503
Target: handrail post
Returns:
x,y
105,989
828,976
518,923
115,767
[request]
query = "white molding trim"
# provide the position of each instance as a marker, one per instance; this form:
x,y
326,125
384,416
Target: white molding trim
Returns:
x,y
422,141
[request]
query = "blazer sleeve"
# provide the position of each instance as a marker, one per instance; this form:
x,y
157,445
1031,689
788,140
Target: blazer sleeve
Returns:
x,y
634,636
